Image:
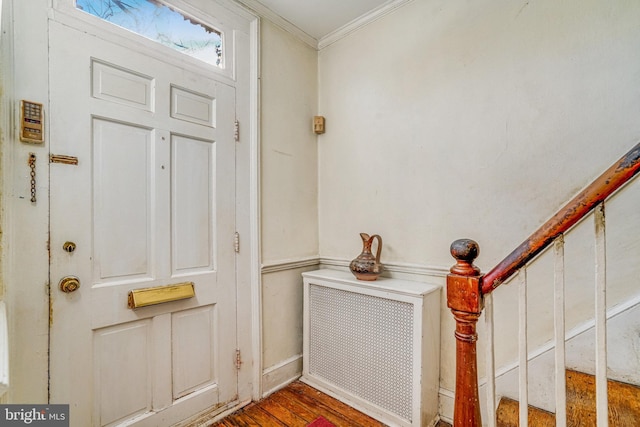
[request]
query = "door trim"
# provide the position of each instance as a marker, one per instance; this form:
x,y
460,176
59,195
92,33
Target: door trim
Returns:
x,y
254,196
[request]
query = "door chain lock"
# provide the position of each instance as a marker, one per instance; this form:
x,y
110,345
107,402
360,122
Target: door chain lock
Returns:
x,y
32,166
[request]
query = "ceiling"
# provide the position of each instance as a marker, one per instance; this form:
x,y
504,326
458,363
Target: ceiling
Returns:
x,y
319,18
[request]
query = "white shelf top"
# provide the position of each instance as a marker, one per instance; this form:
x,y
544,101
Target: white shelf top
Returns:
x,y
385,284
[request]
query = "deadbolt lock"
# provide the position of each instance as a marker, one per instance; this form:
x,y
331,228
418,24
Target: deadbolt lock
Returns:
x,y
69,284
69,247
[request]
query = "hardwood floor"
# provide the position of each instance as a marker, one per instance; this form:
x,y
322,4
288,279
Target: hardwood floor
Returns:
x,y
297,405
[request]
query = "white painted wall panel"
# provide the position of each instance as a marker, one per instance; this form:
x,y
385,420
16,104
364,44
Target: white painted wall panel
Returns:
x,y
289,195
289,174
282,312
444,115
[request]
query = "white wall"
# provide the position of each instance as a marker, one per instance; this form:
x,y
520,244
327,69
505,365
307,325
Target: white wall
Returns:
x,y
451,119
288,146
25,258
289,209
5,120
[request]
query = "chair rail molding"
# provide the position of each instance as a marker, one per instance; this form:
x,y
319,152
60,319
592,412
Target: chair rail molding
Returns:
x,y
289,264
394,268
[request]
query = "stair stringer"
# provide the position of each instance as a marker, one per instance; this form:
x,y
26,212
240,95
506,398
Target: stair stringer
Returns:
x,y
623,338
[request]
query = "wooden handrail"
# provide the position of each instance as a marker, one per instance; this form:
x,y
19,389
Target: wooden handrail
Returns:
x,y
605,185
466,286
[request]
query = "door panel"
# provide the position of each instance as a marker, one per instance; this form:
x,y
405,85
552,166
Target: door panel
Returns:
x,y
192,107
118,371
192,347
150,203
193,163
122,159
126,87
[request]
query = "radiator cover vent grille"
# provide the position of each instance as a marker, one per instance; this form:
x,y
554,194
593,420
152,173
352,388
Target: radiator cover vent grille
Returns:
x,y
363,344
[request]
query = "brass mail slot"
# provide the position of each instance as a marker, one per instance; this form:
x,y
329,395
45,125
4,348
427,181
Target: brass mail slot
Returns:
x,y
160,294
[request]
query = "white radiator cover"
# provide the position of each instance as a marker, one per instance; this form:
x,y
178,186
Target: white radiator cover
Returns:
x,y
374,345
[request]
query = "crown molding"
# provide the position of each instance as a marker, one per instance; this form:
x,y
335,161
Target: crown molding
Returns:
x,y
359,22
264,12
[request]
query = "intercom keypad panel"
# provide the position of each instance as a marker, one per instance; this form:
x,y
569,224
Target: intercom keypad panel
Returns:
x,y
31,122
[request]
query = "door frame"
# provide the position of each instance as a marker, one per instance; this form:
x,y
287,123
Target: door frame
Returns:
x,y
24,252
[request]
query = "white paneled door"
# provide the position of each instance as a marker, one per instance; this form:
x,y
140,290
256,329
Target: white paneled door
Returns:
x,y
150,203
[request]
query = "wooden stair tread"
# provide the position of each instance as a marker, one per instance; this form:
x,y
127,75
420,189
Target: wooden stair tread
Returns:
x,y
624,405
508,415
624,401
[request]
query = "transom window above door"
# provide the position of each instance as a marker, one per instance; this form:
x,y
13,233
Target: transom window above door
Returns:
x,y
163,24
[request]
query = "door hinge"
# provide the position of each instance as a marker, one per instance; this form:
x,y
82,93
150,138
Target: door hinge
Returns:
x,y
236,131
236,242
238,359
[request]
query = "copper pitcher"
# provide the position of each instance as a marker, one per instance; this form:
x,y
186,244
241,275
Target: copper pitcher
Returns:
x,y
366,266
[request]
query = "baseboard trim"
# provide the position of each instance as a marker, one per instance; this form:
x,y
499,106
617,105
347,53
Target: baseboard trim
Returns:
x,y
212,415
278,376
445,405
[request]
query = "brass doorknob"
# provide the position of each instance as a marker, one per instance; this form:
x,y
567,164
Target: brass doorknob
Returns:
x,y
69,284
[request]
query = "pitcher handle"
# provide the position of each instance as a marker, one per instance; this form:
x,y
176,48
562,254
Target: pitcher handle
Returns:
x,y
379,247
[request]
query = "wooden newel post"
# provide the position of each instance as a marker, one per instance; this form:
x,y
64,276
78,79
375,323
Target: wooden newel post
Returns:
x,y
464,298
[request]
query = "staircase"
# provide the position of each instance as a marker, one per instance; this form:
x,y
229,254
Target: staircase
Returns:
x,y
578,396
624,405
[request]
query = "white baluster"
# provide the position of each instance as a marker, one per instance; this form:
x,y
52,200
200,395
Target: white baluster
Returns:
x,y
523,383
491,366
601,318
559,327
